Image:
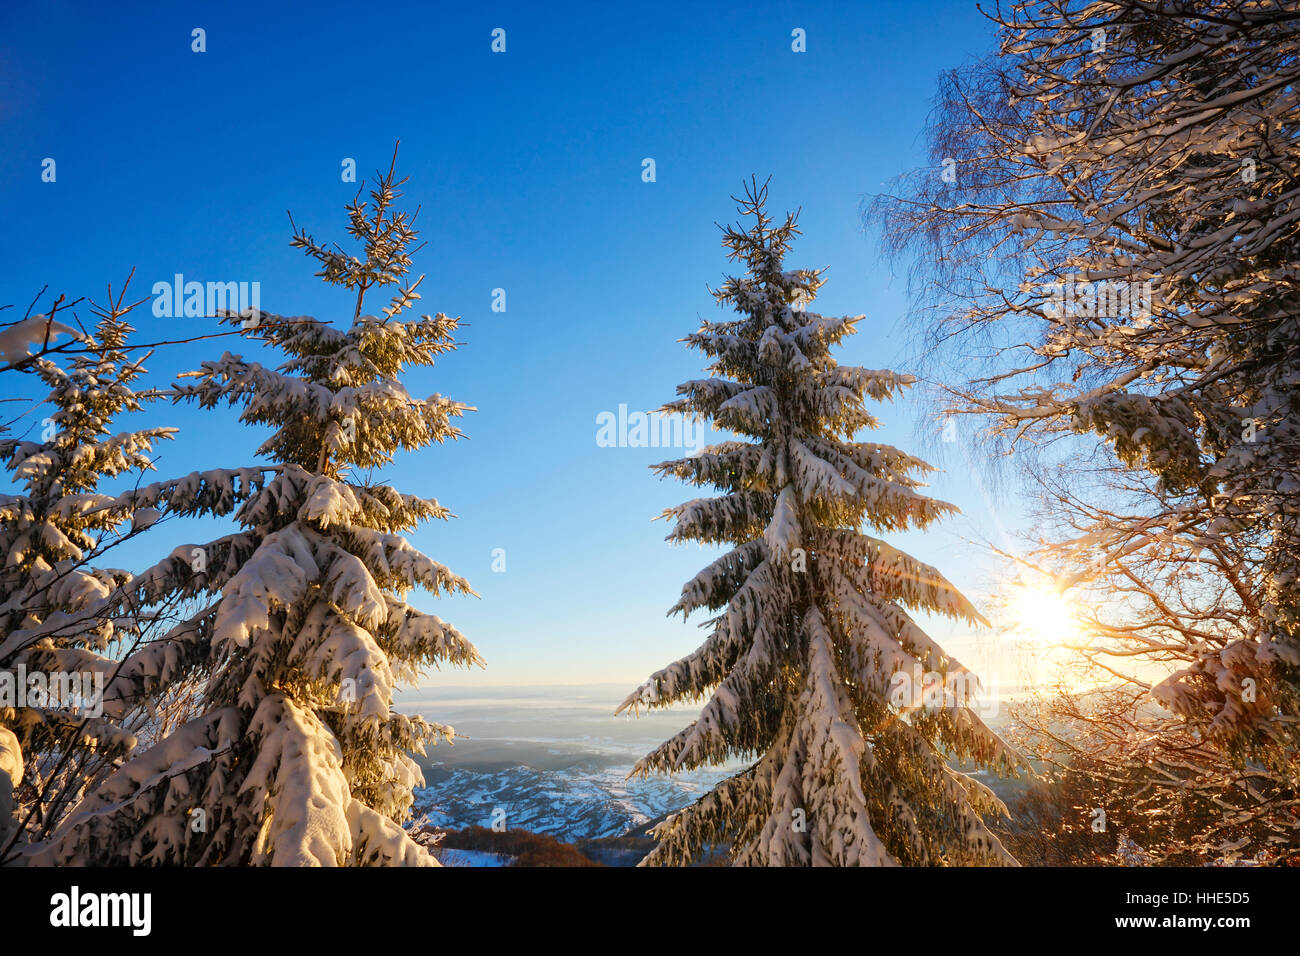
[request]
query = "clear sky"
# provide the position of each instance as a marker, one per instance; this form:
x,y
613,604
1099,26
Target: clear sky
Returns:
x,y
528,168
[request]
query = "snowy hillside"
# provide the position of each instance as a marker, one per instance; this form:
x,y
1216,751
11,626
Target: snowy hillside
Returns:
x,y
586,798
554,760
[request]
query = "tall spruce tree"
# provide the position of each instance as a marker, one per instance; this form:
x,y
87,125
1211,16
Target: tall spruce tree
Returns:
x,y
296,755
803,665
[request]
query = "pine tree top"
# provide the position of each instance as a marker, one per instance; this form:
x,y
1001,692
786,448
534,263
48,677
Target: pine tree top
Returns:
x,y
338,400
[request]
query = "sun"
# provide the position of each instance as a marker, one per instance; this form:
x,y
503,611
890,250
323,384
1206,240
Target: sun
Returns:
x,y
1041,613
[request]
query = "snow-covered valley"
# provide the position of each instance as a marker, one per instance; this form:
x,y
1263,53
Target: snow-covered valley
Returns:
x,y
550,760
588,798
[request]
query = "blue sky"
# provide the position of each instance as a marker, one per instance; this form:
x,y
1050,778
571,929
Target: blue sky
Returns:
x,y
527,166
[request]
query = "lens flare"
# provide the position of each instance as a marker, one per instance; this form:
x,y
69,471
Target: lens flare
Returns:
x,y
1041,613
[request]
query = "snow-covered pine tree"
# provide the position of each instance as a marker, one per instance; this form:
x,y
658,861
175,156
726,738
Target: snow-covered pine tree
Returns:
x,y
58,624
801,668
297,756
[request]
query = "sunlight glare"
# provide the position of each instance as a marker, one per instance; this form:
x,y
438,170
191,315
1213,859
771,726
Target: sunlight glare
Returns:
x,y
1043,614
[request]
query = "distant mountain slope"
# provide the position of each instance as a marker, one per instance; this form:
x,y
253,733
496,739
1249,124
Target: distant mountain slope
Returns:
x,y
586,798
